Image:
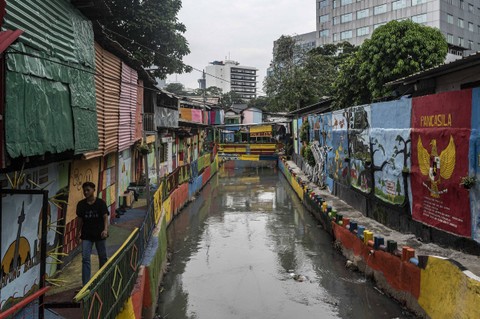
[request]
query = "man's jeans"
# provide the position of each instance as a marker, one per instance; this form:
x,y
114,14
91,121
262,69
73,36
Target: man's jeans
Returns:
x,y
87,246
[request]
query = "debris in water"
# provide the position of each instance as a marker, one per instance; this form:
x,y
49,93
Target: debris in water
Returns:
x,y
299,278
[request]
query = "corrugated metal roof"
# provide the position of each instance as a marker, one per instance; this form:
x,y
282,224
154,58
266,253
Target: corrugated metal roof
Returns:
x,y
7,38
442,69
128,105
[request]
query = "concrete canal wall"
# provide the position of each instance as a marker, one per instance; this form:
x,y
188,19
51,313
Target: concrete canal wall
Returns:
x,y
167,204
430,286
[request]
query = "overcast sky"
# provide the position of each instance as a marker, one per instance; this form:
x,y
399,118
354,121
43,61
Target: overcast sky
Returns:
x,y
243,29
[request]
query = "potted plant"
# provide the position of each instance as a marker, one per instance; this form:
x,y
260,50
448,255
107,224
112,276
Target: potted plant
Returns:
x,y
468,181
144,149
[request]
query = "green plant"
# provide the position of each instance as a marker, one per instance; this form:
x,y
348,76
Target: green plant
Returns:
x,y
468,181
144,149
309,156
304,130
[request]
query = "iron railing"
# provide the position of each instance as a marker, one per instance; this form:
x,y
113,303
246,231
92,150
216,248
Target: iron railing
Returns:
x,y
106,293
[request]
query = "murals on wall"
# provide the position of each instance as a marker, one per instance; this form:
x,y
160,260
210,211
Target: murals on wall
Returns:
x,y
475,165
337,166
440,144
325,136
390,145
82,171
124,171
21,218
107,188
359,147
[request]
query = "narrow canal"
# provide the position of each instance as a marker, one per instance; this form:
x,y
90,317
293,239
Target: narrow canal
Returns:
x,y
247,248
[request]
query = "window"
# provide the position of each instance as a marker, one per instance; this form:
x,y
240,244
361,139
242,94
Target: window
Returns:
x,y
450,1
399,4
335,3
363,31
362,14
346,35
462,4
415,2
470,27
470,7
375,26
345,2
380,9
470,44
322,4
346,17
421,18
449,18
335,20
324,33
450,38
461,42
323,18
461,23
335,37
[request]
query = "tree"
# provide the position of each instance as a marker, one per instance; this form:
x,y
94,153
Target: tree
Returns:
x,y
150,30
261,102
176,88
395,50
299,78
229,98
210,91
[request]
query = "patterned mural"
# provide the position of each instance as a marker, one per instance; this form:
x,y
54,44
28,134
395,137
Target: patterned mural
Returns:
x,y
474,158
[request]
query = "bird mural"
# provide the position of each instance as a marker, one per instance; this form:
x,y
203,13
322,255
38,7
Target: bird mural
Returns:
x,y
436,167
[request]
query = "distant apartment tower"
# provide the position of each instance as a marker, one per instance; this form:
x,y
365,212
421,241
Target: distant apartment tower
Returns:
x,y
355,20
231,76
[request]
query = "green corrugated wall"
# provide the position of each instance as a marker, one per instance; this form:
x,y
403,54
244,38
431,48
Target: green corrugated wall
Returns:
x,y
50,105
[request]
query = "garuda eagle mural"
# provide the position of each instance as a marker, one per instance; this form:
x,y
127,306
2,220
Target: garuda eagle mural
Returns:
x,y
436,166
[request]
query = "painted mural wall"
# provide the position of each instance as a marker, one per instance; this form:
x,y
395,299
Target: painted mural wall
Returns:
x,y
124,170
21,217
107,189
390,146
413,151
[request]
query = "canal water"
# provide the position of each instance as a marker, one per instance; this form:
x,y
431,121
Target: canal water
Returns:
x,y
247,248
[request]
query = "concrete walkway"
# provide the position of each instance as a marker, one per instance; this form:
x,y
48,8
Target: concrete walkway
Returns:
x,y
71,275
471,262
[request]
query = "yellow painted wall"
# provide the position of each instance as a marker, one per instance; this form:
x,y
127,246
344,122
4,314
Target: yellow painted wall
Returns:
x,y
296,186
446,292
249,157
82,171
127,311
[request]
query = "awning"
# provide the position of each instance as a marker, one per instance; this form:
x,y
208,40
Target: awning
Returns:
x,y
8,37
261,130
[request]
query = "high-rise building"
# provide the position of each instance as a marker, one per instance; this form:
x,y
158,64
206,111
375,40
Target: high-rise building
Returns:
x,y
231,76
355,20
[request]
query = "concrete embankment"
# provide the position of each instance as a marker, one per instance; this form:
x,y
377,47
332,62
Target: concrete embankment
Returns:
x,y
432,281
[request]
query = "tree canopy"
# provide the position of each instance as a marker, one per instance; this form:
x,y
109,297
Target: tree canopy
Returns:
x,y
176,88
395,50
229,98
298,77
150,30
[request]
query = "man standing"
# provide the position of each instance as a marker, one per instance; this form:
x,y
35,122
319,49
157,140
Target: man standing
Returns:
x,y
92,215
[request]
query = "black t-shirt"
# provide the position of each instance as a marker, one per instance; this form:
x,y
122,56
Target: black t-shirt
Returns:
x,y
92,216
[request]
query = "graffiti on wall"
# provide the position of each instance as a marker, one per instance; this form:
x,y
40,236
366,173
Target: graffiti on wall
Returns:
x,y
390,145
337,165
21,220
440,142
359,147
